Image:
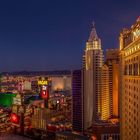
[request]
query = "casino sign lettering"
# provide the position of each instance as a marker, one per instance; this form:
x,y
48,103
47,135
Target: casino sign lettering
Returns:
x,y
42,82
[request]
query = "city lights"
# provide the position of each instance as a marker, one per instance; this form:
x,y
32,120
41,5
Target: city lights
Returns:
x,y
15,118
64,76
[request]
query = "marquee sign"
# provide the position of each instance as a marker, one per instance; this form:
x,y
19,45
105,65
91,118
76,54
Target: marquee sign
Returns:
x,y
15,109
44,92
43,82
15,118
17,99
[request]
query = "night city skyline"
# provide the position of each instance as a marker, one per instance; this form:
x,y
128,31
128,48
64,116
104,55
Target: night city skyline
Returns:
x,y
52,35
70,70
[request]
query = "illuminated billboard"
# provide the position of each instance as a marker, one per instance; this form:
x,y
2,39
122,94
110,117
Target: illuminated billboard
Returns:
x,y
44,92
15,118
43,81
6,100
44,87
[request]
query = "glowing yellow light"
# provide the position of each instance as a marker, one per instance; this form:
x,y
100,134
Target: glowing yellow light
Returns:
x,y
42,82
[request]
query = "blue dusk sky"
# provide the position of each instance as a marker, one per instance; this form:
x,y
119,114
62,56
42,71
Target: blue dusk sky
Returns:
x,y
51,34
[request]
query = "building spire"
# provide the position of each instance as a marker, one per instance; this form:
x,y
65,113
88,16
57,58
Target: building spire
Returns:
x,y
93,34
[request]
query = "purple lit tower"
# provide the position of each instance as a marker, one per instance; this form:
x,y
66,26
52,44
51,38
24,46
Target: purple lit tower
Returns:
x,y
77,96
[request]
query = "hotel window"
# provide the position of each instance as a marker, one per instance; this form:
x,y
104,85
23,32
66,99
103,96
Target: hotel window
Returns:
x,y
126,70
135,68
134,88
130,69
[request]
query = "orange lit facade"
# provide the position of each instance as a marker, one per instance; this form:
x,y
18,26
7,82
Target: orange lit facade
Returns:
x,y
40,117
112,61
130,82
105,112
115,90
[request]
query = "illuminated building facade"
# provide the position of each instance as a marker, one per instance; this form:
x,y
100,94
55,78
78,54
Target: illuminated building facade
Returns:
x,y
92,63
77,115
105,112
40,118
60,80
130,82
112,61
105,132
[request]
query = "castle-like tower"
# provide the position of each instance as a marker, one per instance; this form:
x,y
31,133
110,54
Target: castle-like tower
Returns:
x,y
92,63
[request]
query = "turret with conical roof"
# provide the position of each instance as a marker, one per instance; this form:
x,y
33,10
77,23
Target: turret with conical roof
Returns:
x,y
92,63
93,34
94,41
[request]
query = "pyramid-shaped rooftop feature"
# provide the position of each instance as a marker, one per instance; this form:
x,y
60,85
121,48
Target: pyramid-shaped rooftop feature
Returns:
x,y
93,35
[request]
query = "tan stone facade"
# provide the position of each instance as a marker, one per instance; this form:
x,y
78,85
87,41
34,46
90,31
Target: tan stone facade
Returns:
x,y
130,82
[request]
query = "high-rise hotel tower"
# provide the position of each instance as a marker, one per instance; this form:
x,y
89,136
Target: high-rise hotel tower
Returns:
x,y
130,82
77,101
92,63
112,61
105,104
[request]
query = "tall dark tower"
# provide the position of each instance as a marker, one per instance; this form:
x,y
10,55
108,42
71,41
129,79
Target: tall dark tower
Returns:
x,y
77,96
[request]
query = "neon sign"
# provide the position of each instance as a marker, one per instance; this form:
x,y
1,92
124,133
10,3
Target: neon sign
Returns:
x,y
43,82
15,118
44,92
